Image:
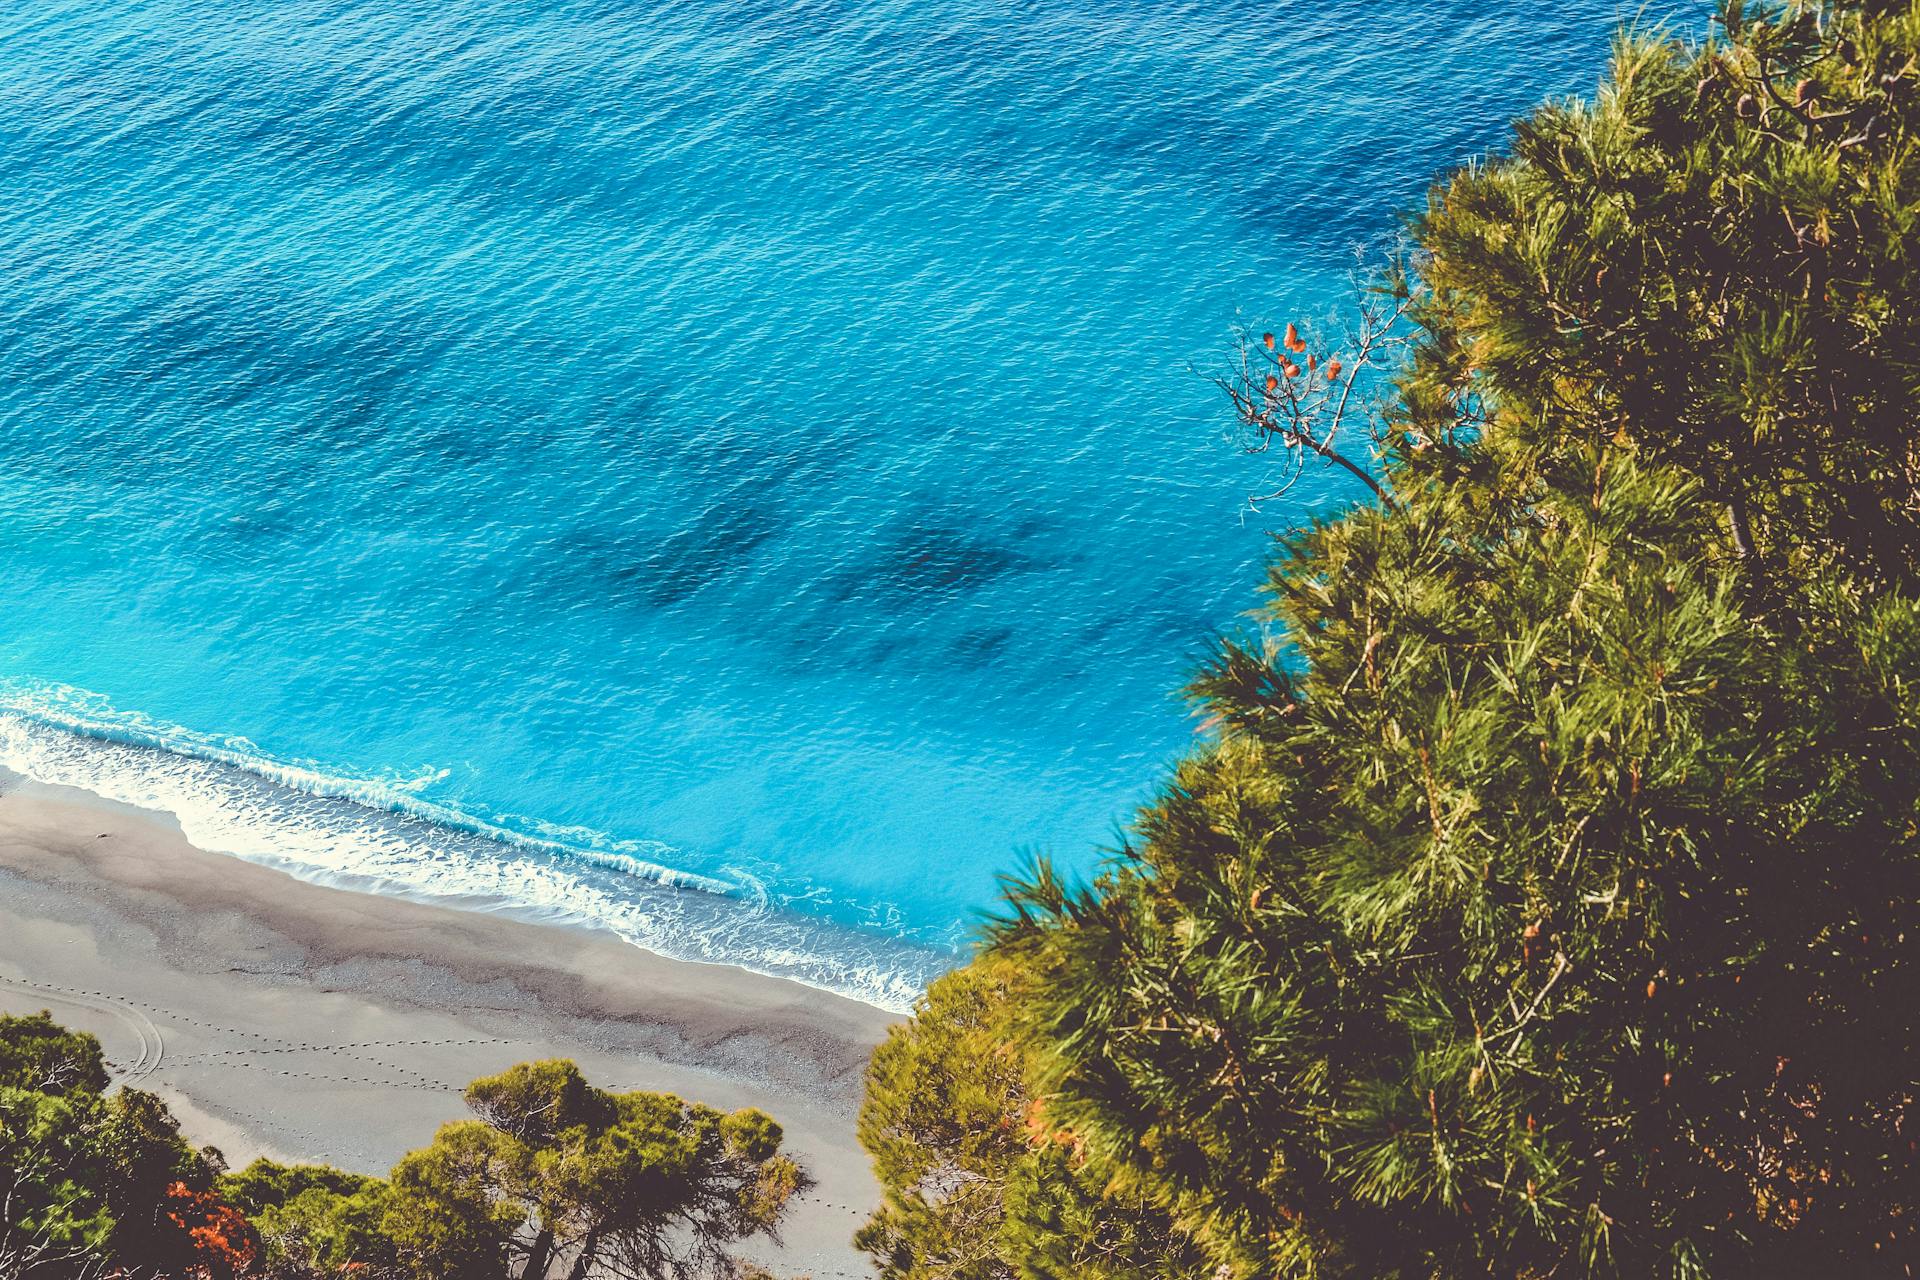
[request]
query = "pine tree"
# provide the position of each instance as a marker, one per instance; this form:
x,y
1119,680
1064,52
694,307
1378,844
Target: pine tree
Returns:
x,y
1546,901
1716,263
980,1183
1554,920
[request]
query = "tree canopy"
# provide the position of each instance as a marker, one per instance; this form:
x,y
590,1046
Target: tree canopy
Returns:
x,y
40,1056
980,1185
1714,258
556,1178
89,1177
1542,898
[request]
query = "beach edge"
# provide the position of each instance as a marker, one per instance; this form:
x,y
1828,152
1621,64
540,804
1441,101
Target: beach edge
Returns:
x,y
307,1022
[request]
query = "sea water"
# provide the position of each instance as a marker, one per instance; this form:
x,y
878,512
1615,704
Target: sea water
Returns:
x,y
742,474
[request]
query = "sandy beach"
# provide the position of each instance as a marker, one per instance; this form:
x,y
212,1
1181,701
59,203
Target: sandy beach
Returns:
x,y
287,1019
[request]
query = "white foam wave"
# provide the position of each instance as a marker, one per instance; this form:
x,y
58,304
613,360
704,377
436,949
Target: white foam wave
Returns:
x,y
381,836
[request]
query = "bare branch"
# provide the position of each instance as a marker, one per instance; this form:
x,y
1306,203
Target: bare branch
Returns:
x,y
1299,395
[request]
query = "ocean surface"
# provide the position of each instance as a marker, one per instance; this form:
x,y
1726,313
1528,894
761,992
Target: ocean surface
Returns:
x,y
739,474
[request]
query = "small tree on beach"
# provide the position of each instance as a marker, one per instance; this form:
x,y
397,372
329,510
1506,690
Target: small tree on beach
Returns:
x,y
630,1184
556,1179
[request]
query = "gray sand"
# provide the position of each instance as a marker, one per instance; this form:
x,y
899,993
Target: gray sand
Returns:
x,y
287,1019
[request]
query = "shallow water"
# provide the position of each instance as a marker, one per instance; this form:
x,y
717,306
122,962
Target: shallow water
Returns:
x,y
550,451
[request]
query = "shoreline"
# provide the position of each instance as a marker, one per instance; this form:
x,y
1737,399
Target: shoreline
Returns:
x,y
292,1019
364,835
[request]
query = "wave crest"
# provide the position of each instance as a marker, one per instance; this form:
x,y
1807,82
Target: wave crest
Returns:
x,y
379,835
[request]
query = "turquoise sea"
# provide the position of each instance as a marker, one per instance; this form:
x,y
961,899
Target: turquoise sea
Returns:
x,y
738,474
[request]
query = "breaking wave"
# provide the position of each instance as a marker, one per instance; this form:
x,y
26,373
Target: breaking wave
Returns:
x,y
381,836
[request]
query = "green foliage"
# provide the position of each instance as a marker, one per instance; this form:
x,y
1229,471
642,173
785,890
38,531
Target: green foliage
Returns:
x,y
533,1101
313,1220
1552,920
38,1054
446,1216
672,1185
751,1133
1546,902
558,1179
1716,257
87,1177
140,1156
978,1184
322,1233
55,1215
268,1184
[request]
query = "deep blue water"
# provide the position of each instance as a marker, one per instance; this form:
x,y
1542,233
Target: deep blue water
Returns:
x,y
535,451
